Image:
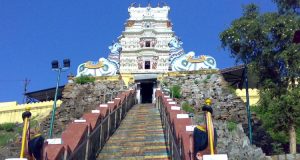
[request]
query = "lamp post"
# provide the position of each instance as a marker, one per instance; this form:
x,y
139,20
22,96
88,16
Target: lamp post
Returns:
x,y
247,99
57,67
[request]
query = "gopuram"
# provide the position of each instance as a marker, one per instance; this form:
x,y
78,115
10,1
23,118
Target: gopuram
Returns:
x,y
146,48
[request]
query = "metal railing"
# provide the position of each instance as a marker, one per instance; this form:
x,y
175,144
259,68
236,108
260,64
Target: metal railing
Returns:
x,y
174,145
94,142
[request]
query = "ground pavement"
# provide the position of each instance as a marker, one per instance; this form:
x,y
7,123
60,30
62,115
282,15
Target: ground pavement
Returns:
x,y
140,136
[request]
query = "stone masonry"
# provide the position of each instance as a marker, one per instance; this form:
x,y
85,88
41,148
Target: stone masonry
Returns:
x,y
195,88
78,99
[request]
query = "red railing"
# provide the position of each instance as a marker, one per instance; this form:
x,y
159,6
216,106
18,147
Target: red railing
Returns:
x,y
84,139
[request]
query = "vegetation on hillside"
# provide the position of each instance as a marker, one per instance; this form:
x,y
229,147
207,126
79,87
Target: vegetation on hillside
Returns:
x,y
11,132
84,79
188,108
266,42
175,91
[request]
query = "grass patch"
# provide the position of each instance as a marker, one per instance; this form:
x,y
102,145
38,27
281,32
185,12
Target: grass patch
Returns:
x,y
8,127
188,108
85,79
9,132
6,137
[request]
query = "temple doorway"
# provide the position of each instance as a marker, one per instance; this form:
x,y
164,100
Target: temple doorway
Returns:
x,y
146,92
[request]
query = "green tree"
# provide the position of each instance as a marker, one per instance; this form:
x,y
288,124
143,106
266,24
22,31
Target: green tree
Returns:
x,y
266,41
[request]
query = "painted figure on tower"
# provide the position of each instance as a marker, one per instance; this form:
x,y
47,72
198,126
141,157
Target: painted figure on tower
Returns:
x,y
102,67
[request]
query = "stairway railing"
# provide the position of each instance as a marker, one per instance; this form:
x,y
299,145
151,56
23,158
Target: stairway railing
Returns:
x,y
95,139
173,147
179,138
100,135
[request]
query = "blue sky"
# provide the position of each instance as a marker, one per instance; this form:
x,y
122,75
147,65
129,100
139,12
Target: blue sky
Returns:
x,y
33,33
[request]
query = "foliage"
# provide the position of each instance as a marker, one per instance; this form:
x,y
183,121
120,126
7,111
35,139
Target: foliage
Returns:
x,y
175,91
287,6
164,83
196,81
208,76
84,79
188,108
6,137
231,125
266,42
205,81
277,148
8,127
231,90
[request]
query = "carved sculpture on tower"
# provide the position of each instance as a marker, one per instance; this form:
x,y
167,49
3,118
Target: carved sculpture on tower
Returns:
x,y
102,67
179,61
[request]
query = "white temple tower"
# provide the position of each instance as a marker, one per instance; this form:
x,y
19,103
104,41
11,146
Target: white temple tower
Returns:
x,y
145,41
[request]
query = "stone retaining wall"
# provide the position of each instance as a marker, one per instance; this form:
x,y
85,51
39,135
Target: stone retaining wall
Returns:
x,y
195,88
78,99
285,157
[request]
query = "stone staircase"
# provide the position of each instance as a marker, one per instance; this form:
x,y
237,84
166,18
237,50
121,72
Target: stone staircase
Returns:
x,y
140,136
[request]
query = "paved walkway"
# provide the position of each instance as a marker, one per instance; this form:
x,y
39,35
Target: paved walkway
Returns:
x,y
140,136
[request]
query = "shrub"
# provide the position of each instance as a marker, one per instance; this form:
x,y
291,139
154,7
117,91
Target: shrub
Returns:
x,y
84,79
231,125
208,76
231,90
175,91
5,138
196,82
186,107
8,127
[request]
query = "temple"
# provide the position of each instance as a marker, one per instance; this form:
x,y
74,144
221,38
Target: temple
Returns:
x,y
146,49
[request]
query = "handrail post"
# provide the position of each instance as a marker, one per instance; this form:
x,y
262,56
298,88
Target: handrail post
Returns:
x,y
24,137
26,117
87,144
210,132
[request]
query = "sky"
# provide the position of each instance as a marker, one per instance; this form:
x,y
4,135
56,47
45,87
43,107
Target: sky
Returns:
x,y
35,32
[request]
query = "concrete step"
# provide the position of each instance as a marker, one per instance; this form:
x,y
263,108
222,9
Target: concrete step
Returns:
x,y
140,136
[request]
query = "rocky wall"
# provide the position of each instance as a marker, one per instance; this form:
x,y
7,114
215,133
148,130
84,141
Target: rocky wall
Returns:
x,y
80,98
195,88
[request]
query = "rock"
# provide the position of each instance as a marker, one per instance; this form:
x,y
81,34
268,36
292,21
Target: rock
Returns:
x,y
227,107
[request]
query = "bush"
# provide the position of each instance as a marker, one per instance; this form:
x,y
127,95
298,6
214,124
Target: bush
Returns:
x,y
208,76
6,138
8,127
186,107
231,125
175,91
85,79
231,90
196,82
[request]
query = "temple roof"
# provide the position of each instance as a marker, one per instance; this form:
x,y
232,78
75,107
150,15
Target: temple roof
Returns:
x,y
142,13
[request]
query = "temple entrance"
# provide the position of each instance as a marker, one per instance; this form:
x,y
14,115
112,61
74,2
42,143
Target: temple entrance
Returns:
x,y
146,92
